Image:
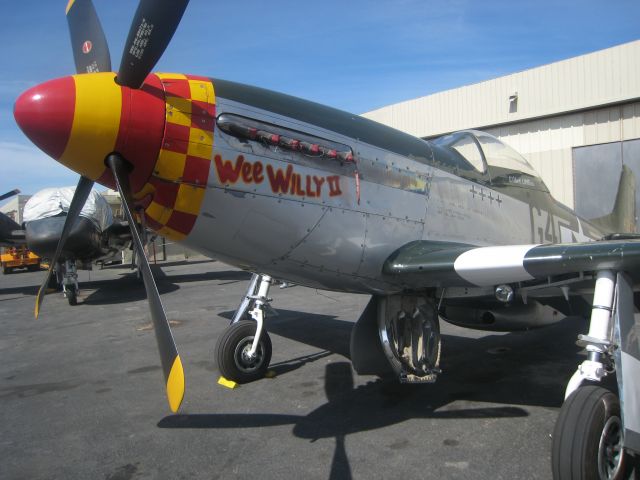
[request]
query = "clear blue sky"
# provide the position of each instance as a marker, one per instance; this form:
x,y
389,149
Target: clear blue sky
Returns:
x,y
356,55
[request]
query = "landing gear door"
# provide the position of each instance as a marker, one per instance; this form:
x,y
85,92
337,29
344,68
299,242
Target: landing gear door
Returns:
x,y
627,357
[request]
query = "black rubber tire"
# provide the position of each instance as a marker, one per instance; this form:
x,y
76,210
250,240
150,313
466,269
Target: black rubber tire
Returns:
x,y
72,296
575,452
6,270
236,339
53,282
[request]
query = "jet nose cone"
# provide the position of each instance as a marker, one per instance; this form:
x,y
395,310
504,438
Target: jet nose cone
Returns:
x,y
45,114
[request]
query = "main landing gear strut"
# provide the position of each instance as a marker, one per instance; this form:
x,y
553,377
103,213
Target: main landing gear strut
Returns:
x,y
243,351
589,435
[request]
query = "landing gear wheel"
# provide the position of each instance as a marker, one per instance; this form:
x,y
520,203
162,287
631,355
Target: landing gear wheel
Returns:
x,y
232,353
72,295
587,438
54,284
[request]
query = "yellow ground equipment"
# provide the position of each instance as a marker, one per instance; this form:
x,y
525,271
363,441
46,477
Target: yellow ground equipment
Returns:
x,y
19,257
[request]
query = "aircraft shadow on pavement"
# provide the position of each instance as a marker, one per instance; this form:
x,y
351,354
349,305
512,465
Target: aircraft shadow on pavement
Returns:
x,y
129,288
349,410
530,368
325,332
29,290
514,370
177,263
226,275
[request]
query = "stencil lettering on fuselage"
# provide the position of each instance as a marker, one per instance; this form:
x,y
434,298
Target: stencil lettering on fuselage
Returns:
x,y
549,228
285,181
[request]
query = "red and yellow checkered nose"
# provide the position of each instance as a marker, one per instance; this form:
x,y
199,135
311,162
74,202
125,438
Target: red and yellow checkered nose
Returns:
x,y
164,130
79,120
179,179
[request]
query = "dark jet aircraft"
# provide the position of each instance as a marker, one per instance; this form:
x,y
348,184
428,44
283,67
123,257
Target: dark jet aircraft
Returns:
x,y
94,237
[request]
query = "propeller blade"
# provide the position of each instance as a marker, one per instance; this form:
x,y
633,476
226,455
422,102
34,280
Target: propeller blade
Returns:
x,y
89,45
77,202
152,27
171,363
133,258
9,194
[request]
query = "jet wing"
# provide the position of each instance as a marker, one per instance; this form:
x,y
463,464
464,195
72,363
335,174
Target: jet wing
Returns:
x,y
424,263
10,232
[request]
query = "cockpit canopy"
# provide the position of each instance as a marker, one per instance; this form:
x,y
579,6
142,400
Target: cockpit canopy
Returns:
x,y
482,157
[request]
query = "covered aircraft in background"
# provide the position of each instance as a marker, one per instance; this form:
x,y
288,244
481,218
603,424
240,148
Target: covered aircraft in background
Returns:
x,y
460,228
95,236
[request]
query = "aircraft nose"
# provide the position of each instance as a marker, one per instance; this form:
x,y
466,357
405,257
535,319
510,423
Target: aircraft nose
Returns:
x,y
45,114
74,119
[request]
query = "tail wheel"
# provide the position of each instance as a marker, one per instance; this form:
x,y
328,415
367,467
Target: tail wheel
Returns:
x,y
232,353
587,438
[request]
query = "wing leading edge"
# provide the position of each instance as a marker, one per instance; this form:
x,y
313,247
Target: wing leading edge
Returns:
x,y
424,263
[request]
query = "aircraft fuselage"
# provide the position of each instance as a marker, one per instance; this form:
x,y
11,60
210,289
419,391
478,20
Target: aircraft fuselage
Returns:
x,y
287,187
331,224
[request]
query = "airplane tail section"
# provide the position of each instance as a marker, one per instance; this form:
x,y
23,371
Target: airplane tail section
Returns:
x,y
623,217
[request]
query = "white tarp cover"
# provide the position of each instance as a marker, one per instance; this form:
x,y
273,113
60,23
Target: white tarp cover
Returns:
x,y
53,201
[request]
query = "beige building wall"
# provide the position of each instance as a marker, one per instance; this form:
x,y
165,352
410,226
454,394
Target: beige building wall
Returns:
x,y
543,112
13,208
548,142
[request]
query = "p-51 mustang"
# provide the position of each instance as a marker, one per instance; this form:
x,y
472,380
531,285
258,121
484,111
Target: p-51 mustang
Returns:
x,y
460,228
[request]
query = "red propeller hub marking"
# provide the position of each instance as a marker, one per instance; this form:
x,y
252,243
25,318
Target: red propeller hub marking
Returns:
x,y
87,46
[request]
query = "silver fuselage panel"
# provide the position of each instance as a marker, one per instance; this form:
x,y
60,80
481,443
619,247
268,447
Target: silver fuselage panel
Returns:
x,y
331,225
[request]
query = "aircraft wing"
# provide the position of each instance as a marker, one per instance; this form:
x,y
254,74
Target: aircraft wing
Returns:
x,y
425,263
10,232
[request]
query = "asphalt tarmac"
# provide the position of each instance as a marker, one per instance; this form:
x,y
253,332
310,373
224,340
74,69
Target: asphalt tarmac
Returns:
x,y
82,394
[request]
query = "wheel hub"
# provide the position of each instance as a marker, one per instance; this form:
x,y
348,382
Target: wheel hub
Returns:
x,y
244,360
610,449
